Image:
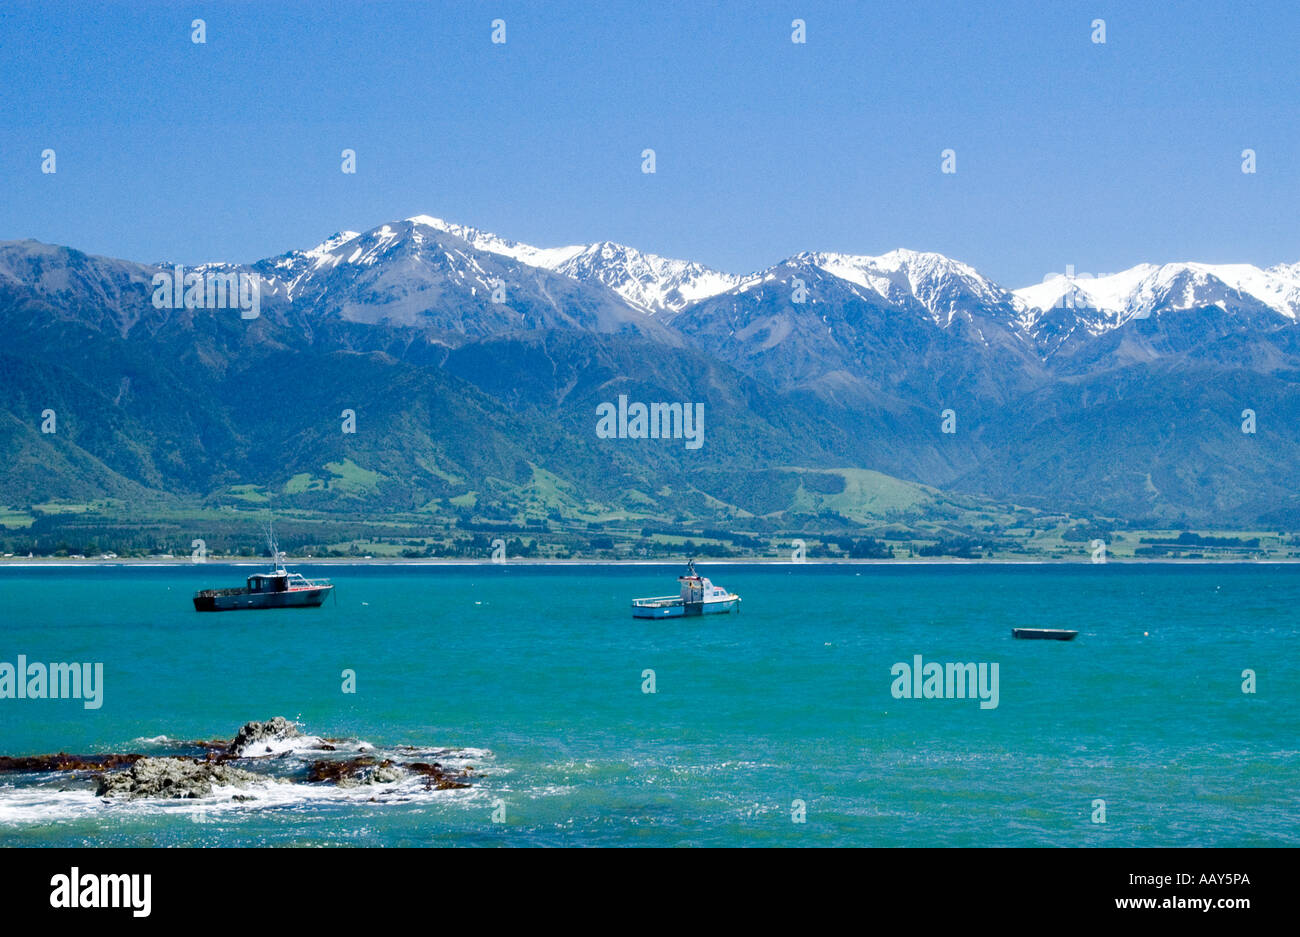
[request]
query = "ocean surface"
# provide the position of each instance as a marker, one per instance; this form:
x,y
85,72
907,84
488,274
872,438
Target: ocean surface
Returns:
x,y
535,677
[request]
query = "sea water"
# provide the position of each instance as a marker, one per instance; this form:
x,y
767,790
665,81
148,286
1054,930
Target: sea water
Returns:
x,y
1172,720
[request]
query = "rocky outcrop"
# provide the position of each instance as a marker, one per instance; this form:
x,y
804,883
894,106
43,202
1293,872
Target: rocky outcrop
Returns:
x,y
172,777
352,771
65,762
207,764
252,737
437,777
366,770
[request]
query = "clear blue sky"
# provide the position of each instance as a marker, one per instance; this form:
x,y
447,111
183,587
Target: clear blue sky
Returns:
x,y
1100,156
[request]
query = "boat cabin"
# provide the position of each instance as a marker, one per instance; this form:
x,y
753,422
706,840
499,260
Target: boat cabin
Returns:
x,y
698,596
268,582
278,581
699,589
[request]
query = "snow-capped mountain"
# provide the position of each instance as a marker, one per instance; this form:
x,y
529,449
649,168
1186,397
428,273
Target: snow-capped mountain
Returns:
x,y
942,286
484,358
446,279
294,270
413,270
653,283
859,330
647,281
1148,289
547,258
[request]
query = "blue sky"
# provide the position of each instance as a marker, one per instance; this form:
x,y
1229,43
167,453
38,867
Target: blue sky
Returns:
x,y
1068,152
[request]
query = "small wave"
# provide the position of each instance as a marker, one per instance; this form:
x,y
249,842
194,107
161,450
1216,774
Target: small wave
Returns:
x,y
270,748
42,805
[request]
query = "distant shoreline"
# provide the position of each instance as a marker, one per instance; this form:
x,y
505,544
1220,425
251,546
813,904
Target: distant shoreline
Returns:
x,y
19,562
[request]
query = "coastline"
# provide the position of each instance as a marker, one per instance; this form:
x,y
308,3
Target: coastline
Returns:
x,y
251,562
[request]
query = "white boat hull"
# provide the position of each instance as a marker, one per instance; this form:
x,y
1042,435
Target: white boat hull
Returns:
x,y
676,608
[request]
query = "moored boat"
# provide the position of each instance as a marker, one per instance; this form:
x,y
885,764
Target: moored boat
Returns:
x,y
279,588
698,596
1044,634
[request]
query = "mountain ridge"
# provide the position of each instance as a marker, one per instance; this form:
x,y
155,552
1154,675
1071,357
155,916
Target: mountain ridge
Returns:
x,y
940,284
472,370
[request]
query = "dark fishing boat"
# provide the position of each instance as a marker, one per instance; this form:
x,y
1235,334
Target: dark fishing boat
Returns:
x,y
277,589
1044,634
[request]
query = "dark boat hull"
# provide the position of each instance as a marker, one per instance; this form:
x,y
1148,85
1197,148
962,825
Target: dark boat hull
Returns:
x,y
1044,634
243,600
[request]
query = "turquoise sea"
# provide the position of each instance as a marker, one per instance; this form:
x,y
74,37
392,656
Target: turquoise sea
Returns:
x,y
535,676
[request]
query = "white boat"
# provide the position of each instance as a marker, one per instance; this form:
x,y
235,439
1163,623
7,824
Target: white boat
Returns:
x,y
698,596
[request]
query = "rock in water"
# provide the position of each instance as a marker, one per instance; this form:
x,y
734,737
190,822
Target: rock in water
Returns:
x,y
354,771
251,739
65,762
437,777
366,770
171,777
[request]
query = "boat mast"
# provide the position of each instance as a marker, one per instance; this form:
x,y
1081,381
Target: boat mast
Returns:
x,y
276,565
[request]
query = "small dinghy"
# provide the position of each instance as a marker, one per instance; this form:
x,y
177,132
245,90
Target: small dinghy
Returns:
x,y
698,597
1044,634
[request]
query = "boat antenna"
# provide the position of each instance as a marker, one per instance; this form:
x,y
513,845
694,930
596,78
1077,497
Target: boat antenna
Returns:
x,y
275,547
276,565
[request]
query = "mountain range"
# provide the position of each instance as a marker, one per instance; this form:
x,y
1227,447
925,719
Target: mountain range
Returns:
x,y
473,366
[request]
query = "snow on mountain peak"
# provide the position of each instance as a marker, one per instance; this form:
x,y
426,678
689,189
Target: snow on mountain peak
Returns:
x,y
943,286
648,281
1137,292
479,239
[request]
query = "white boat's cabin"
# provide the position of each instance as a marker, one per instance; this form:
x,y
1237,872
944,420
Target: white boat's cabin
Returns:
x,y
699,589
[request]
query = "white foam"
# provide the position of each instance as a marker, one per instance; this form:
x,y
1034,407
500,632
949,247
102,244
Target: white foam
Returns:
x,y
52,801
269,748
